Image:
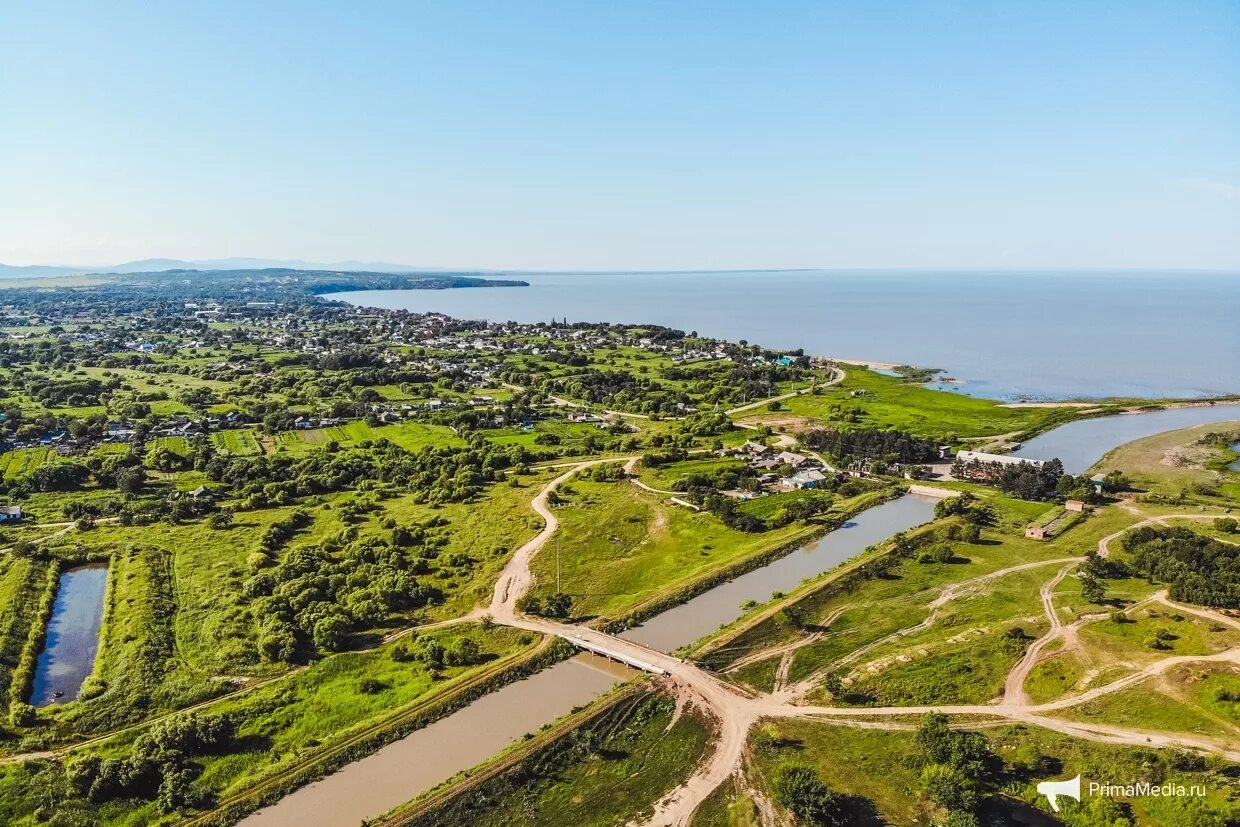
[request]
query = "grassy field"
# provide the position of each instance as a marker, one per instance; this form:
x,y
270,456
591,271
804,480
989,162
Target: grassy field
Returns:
x,y
607,773
282,724
137,670
664,476
237,442
767,507
175,444
1186,699
574,437
22,461
412,436
887,402
619,545
21,581
963,655
880,772
215,627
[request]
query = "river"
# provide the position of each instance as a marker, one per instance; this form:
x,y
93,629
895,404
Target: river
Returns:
x,y
422,760
68,654
403,770
426,758
1008,335
690,621
1081,444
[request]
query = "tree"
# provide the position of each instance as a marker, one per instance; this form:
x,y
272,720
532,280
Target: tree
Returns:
x,y
463,653
1227,525
948,787
799,788
1093,588
332,632
557,605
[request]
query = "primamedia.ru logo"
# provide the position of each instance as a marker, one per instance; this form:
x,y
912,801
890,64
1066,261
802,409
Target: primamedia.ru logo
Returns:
x,y
1072,788
1167,789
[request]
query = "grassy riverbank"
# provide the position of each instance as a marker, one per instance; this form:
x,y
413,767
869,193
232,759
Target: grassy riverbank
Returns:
x,y
603,766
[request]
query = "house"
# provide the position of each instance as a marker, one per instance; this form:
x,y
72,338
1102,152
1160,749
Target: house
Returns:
x,y
1074,505
795,460
1035,532
751,447
10,513
200,492
810,478
976,465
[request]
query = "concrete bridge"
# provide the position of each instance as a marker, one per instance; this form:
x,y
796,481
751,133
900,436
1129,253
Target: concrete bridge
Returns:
x,y
612,654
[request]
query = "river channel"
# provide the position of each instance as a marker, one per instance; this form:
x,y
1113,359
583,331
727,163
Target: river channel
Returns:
x,y
403,770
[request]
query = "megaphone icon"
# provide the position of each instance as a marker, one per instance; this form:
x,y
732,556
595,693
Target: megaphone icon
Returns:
x,y
1053,789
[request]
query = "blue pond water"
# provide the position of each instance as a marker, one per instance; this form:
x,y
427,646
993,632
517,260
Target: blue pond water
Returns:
x,y
72,635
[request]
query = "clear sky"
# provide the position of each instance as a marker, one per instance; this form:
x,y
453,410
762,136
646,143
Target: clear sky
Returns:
x,y
616,135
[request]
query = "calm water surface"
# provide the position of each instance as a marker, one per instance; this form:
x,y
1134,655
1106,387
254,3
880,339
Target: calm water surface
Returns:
x,y
1081,444
1008,335
400,771
68,654
429,756
683,624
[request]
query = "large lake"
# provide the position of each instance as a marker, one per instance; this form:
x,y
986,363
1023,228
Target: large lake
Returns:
x,y
1008,335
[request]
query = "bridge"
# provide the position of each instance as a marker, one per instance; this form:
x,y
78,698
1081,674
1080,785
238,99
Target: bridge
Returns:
x,y
611,654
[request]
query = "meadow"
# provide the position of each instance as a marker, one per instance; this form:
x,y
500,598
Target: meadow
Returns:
x,y
619,546
869,399
412,436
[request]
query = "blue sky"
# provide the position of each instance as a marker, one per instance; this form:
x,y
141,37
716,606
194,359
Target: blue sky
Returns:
x,y
646,135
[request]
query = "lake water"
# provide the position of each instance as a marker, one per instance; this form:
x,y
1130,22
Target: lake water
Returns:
x,y
696,618
1235,466
68,654
1082,443
1008,335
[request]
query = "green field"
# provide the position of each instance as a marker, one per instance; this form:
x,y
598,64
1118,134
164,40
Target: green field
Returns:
x,y
412,436
237,443
1174,462
888,402
619,545
22,461
880,773
283,724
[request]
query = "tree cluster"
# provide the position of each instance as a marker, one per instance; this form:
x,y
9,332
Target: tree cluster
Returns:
x,y
1197,568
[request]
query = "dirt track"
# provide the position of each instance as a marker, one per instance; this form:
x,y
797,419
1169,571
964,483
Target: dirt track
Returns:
x,y
735,713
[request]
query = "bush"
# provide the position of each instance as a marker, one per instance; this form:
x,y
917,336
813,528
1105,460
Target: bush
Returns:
x,y
799,788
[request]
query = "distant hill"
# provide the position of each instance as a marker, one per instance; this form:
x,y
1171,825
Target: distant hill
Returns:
x,y
159,265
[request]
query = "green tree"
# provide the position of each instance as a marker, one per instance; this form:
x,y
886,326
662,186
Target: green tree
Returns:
x,y
1093,588
799,788
948,787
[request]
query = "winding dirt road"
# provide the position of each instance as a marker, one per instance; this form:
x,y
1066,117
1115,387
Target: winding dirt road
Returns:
x,y
734,712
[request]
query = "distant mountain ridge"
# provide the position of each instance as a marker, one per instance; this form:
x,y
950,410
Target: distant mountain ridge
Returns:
x,y
158,265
